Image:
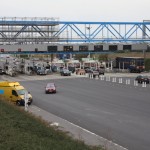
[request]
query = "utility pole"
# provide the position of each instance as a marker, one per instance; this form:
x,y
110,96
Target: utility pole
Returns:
x,y
144,54
89,36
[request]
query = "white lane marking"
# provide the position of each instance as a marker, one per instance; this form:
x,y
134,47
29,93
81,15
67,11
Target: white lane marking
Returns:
x,y
95,134
57,124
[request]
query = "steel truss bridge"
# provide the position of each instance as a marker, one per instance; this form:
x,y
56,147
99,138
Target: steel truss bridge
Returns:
x,y
49,30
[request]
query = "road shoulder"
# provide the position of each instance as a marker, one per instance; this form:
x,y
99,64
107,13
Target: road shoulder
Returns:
x,y
73,130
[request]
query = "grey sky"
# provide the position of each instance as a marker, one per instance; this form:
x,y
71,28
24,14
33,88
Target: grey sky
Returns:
x,y
78,10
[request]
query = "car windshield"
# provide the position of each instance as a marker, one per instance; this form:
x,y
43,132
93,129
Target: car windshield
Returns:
x,y
144,76
50,85
65,70
21,92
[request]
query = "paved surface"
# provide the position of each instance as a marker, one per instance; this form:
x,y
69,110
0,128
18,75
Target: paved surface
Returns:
x,y
118,112
73,130
57,76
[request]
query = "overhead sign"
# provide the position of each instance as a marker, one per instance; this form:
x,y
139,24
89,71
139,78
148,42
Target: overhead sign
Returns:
x,y
1,91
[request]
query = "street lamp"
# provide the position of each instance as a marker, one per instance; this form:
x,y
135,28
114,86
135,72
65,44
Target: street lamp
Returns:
x,y
89,28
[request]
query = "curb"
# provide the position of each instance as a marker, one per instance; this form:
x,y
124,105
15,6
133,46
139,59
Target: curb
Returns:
x,y
75,131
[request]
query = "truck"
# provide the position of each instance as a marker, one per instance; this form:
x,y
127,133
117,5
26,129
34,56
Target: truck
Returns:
x,y
14,92
136,68
133,64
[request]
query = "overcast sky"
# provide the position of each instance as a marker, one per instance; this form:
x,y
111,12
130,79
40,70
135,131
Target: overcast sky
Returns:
x,y
78,10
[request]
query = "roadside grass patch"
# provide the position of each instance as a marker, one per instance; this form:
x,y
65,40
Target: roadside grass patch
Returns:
x,y
20,130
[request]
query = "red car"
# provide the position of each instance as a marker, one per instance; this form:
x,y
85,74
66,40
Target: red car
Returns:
x,y
50,88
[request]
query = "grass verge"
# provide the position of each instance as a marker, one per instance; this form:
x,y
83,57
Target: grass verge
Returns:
x,y
20,130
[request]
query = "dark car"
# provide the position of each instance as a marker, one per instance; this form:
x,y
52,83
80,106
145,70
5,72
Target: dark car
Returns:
x,y
101,70
50,88
41,71
72,69
88,70
65,72
93,73
142,79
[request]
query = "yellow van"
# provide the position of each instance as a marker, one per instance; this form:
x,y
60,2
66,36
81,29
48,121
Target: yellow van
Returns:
x,y
14,92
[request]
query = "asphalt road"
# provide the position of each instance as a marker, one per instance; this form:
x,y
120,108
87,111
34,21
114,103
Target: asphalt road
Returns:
x,y
117,112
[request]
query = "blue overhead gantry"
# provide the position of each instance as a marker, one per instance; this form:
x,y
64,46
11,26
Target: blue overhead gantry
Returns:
x,y
50,30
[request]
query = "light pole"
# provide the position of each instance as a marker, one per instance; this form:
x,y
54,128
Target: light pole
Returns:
x,y
144,56
89,28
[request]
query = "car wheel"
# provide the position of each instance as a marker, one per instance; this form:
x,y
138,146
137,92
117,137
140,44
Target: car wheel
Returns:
x,y
18,103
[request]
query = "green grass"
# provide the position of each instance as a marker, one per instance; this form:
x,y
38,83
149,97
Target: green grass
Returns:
x,y
20,130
